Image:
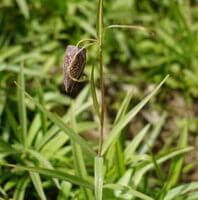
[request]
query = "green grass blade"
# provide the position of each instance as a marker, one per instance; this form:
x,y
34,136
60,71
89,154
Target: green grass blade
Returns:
x,y
3,193
55,174
128,117
80,105
131,148
13,123
176,165
19,192
65,191
144,167
54,130
192,196
157,168
115,155
93,93
34,128
22,107
126,189
24,8
119,156
181,190
154,134
98,170
60,123
79,163
41,101
123,107
55,144
38,185
125,181
5,147
119,159
27,71
44,162
2,102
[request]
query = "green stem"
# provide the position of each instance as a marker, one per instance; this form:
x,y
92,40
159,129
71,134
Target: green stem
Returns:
x,y
100,37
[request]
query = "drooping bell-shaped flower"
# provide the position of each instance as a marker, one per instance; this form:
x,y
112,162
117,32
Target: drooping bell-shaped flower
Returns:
x,y
74,62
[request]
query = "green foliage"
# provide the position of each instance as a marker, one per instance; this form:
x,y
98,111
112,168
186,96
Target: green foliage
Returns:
x,y
45,148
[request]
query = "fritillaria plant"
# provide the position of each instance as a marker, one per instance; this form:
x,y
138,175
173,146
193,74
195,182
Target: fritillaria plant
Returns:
x,y
74,62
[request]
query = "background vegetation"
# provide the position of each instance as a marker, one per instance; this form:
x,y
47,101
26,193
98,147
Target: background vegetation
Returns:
x,y
37,33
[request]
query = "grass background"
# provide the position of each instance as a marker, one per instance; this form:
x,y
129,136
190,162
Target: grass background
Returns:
x,y
36,33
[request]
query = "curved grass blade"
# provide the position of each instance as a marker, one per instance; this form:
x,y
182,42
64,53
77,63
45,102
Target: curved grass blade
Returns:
x,y
123,107
54,174
181,190
154,134
5,147
22,107
38,185
142,168
126,189
19,192
24,8
131,148
140,28
80,106
44,162
27,71
60,123
128,117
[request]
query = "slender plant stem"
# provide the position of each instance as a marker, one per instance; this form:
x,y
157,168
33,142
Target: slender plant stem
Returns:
x,y
102,101
100,37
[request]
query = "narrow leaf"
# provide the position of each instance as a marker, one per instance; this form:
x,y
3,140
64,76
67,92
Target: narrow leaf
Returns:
x,y
79,164
131,148
38,185
59,122
22,107
126,189
176,164
154,134
55,174
44,162
98,178
128,117
144,167
19,192
181,190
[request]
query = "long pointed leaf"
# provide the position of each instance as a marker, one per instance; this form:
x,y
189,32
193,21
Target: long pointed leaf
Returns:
x,y
55,174
38,185
126,189
59,122
129,116
22,107
98,178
